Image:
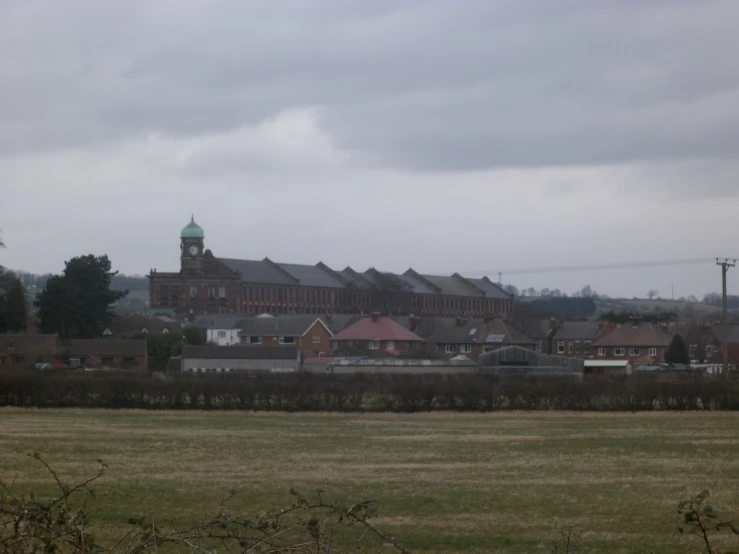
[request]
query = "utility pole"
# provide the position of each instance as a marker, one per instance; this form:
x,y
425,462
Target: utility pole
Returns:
x,y
725,264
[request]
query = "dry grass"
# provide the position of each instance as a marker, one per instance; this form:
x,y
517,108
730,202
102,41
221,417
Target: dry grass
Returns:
x,y
503,482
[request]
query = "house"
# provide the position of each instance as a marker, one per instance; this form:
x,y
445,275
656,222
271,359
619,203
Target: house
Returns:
x,y
240,358
306,332
515,359
715,361
206,284
137,323
25,350
474,337
576,338
378,336
541,332
633,342
222,330
108,353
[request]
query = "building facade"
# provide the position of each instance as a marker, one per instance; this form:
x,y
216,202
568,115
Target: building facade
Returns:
x,y
207,285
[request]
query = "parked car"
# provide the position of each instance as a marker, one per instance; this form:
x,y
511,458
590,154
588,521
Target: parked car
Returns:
x,y
43,366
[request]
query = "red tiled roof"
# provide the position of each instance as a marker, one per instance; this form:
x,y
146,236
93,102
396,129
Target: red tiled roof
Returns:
x,y
382,329
629,335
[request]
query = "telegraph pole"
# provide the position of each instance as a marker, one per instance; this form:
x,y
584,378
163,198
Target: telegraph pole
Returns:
x,y
725,264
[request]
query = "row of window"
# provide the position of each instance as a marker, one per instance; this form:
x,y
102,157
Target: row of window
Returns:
x,y
574,347
622,352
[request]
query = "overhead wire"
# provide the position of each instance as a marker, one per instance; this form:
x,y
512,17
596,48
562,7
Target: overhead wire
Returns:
x,y
593,267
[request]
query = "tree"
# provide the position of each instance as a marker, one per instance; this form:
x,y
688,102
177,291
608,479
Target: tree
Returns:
x,y
511,289
652,294
677,352
76,304
13,307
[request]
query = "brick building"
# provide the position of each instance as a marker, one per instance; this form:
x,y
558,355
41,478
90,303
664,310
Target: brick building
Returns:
x,y
206,284
639,343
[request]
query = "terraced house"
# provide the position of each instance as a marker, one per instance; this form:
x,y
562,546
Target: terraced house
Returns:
x,y
206,284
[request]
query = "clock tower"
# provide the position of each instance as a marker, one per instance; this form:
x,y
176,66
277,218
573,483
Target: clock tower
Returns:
x,y
192,239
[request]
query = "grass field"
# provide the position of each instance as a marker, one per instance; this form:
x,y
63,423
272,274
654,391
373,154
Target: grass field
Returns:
x,y
444,482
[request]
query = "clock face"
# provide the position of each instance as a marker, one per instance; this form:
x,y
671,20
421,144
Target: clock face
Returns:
x,y
193,250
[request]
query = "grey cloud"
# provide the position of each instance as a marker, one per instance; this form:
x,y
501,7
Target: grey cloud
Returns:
x,y
430,85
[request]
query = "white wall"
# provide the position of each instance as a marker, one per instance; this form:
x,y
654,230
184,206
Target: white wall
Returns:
x,y
231,336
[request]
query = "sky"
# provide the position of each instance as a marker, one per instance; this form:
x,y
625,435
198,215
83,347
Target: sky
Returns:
x,y
471,137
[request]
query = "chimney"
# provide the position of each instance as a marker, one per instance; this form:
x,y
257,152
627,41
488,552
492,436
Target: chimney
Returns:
x,y
375,316
413,321
552,324
489,316
460,321
329,318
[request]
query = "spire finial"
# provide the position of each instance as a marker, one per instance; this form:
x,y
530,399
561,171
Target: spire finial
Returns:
x,y
192,218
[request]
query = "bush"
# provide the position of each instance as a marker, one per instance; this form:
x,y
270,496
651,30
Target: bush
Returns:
x,y
352,393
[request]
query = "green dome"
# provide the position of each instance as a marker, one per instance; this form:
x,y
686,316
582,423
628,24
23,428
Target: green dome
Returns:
x,y
192,231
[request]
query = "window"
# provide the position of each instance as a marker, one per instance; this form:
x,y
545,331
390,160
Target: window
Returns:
x,y
619,351
709,349
255,340
560,347
693,349
588,347
601,352
287,340
652,351
221,334
570,347
221,292
374,345
193,291
466,349
577,347
164,290
175,291
634,352
390,345
336,345
449,349
211,291
539,345
316,339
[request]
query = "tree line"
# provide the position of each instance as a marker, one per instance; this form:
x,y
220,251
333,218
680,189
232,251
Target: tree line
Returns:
x,y
364,392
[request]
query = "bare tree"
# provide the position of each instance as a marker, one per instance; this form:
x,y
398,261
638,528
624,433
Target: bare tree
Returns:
x,y
652,294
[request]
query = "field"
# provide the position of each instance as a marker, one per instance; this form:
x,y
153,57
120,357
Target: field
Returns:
x,y
444,482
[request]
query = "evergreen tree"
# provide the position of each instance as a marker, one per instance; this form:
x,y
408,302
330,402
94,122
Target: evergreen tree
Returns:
x,y
13,307
76,304
677,352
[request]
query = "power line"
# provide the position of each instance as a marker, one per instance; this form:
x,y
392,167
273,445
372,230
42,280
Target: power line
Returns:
x,y
594,267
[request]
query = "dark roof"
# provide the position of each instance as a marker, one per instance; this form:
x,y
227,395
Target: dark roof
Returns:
x,y
339,322
491,290
640,335
495,332
241,352
107,347
312,276
453,285
357,279
726,333
282,326
263,271
538,329
578,330
136,322
219,321
383,328
23,344
416,285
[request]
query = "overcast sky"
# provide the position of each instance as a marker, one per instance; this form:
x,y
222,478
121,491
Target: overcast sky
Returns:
x,y
469,136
